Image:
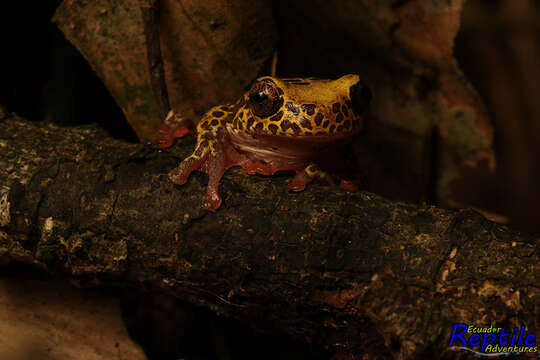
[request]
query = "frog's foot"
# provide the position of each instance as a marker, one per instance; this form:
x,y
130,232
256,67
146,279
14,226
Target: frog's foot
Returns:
x,y
207,158
307,175
348,185
193,162
174,126
215,166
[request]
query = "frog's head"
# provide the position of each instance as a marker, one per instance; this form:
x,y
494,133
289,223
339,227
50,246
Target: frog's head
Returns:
x,y
303,107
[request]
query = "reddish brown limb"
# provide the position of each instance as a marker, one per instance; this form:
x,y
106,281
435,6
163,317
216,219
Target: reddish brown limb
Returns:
x,y
181,173
348,185
173,127
307,175
215,167
300,181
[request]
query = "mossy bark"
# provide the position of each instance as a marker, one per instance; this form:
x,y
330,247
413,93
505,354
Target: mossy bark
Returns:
x,y
351,271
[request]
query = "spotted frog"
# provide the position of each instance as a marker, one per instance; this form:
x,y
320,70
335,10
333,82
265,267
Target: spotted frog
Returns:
x,y
279,124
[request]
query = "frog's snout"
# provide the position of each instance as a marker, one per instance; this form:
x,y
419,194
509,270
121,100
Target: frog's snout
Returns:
x,y
360,95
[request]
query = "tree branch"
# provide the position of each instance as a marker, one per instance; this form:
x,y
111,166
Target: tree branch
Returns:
x,y
351,271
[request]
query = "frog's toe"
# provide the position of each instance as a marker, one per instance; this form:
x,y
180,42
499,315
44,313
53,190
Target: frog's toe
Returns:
x,y
193,162
212,201
173,127
307,175
215,167
164,142
348,185
299,181
177,178
167,134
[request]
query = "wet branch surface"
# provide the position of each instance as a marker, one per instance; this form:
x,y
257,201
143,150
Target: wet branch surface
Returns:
x,y
353,272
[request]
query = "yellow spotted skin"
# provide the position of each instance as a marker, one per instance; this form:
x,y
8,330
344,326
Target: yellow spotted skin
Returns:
x,y
310,107
279,124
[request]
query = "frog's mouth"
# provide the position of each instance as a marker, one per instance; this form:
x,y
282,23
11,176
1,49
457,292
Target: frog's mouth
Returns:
x,y
291,150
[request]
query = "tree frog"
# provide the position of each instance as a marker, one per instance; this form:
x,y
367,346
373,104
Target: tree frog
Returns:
x,y
279,124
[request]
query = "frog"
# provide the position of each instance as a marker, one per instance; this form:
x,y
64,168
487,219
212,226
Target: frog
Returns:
x,y
278,124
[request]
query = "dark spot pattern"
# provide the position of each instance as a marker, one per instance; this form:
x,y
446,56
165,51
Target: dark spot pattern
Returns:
x,y
348,103
294,109
332,128
296,128
214,122
285,124
336,107
339,117
201,147
320,133
218,113
344,110
205,125
326,123
259,127
250,122
220,133
318,119
277,117
340,128
273,128
305,123
240,126
309,108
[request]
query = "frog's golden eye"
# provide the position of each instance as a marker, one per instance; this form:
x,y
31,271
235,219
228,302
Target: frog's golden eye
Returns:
x,y
264,98
360,97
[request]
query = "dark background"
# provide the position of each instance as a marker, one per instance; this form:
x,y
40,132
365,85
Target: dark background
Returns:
x,y
44,78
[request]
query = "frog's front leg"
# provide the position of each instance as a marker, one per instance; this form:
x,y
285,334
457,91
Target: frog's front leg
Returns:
x,y
209,157
215,166
174,126
193,162
307,175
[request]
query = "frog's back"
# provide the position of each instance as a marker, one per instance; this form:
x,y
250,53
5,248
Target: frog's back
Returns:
x,y
302,107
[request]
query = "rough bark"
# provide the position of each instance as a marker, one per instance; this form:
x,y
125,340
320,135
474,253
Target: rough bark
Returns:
x,y
351,271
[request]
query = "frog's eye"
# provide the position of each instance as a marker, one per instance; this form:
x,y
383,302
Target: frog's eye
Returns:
x,y
360,97
264,98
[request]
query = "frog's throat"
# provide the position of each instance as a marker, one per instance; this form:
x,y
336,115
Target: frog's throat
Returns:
x,y
281,149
